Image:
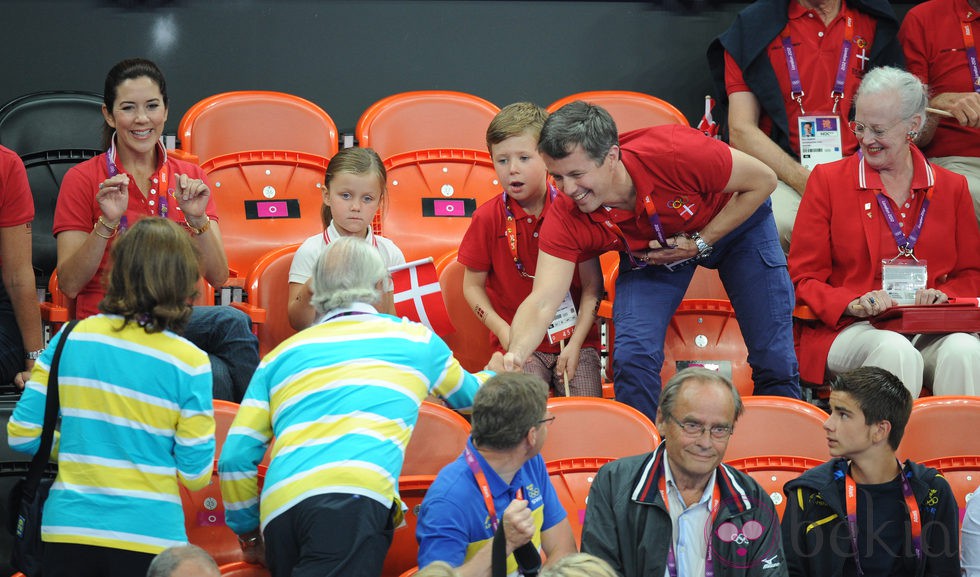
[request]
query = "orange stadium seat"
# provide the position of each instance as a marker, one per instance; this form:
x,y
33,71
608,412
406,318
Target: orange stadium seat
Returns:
x,y
471,341
51,131
431,198
773,471
251,120
425,119
404,551
572,479
204,521
941,427
704,332
267,286
243,569
410,572
439,437
962,473
224,414
593,427
778,426
630,110
265,199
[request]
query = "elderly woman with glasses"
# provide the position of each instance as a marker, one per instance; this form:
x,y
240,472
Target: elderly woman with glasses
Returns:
x,y
884,228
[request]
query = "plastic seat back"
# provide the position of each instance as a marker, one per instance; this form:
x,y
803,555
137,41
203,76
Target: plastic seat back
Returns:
x,y
52,132
963,475
265,199
772,472
204,521
425,119
941,427
630,110
572,479
267,285
243,569
705,332
224,414
594,427
404,551
438,439
431,198
706,284
249,120
778,426
471,341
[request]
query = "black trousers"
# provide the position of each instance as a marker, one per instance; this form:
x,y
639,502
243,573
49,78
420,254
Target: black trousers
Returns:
x,y
329,535
71,560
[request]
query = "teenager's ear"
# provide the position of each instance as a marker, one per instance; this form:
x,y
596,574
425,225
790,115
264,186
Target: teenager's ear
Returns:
x,y
882,429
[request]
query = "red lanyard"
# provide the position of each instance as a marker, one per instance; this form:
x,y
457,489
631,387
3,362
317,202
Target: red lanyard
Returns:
x,y
915,519
709,569
510,229
481,481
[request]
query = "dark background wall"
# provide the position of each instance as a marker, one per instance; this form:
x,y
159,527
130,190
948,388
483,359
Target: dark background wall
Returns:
x,y
345,55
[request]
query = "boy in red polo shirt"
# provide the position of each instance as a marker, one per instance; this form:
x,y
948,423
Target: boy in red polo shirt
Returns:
x,y
500,253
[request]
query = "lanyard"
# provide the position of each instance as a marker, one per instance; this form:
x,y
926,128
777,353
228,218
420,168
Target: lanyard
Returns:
x,y
971,55
162,184
796,85
481,481
906,244
850,499
709,569
655,222
510,229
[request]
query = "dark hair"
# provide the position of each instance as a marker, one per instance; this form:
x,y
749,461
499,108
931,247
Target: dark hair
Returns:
x,y
153,276
506,407
671,390
579,123
881,396
354,161
128,70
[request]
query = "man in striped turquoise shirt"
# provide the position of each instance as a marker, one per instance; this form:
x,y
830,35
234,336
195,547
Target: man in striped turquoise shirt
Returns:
x,y
340,399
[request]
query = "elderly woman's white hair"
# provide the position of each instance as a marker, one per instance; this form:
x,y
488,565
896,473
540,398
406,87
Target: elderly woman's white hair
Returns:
x,y
349,271
912,94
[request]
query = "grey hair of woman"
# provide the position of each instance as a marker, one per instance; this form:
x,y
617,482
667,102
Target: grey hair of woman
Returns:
x,y
348,271
200,564
891,82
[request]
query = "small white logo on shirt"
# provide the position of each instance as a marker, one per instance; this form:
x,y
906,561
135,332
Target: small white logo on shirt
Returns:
x,y
770,563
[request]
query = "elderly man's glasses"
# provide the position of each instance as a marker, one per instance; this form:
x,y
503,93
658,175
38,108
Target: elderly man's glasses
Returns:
x,y
695,429
859,128
548,420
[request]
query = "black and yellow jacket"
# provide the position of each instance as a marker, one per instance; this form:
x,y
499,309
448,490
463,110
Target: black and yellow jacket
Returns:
x,y
816,539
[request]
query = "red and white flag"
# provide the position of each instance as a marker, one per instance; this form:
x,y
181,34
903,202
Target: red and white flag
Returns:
x,y
708,125
418,296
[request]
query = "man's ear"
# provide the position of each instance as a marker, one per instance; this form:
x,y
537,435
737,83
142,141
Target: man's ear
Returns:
x,y
881,430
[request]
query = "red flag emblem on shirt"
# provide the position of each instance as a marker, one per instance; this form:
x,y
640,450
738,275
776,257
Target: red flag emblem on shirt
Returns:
x,y
418,296
708,125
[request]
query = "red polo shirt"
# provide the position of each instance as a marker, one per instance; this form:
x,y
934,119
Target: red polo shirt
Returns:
x,y
817,49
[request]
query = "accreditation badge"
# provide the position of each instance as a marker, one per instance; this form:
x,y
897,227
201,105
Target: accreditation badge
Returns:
x,y
565,318
902,277
820,139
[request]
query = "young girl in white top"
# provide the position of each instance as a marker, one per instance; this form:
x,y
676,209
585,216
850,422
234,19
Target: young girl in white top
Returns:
x,y
355,187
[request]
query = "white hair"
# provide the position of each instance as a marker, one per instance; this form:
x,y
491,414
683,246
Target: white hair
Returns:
x,y
912,94
349,271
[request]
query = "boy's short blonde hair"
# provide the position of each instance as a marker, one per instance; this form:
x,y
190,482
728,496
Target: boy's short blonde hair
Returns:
x,y
437,569
514,120
580,565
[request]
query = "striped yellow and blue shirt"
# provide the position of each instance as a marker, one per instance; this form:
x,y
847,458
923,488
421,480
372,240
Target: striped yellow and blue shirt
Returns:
x,y
136,417
340,399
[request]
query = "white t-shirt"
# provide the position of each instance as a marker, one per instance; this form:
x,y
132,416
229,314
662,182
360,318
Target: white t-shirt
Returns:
x,y
304,261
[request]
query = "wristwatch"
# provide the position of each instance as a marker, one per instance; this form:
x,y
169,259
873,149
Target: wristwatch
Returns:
x,y
704,249
33,355
248,542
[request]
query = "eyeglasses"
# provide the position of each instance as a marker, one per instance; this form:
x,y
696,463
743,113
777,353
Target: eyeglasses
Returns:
x,y
548,420
695,429
859,128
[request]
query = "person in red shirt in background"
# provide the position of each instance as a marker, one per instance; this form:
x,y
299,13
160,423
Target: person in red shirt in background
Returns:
x,y
20,318
776,68
500,253
939,38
